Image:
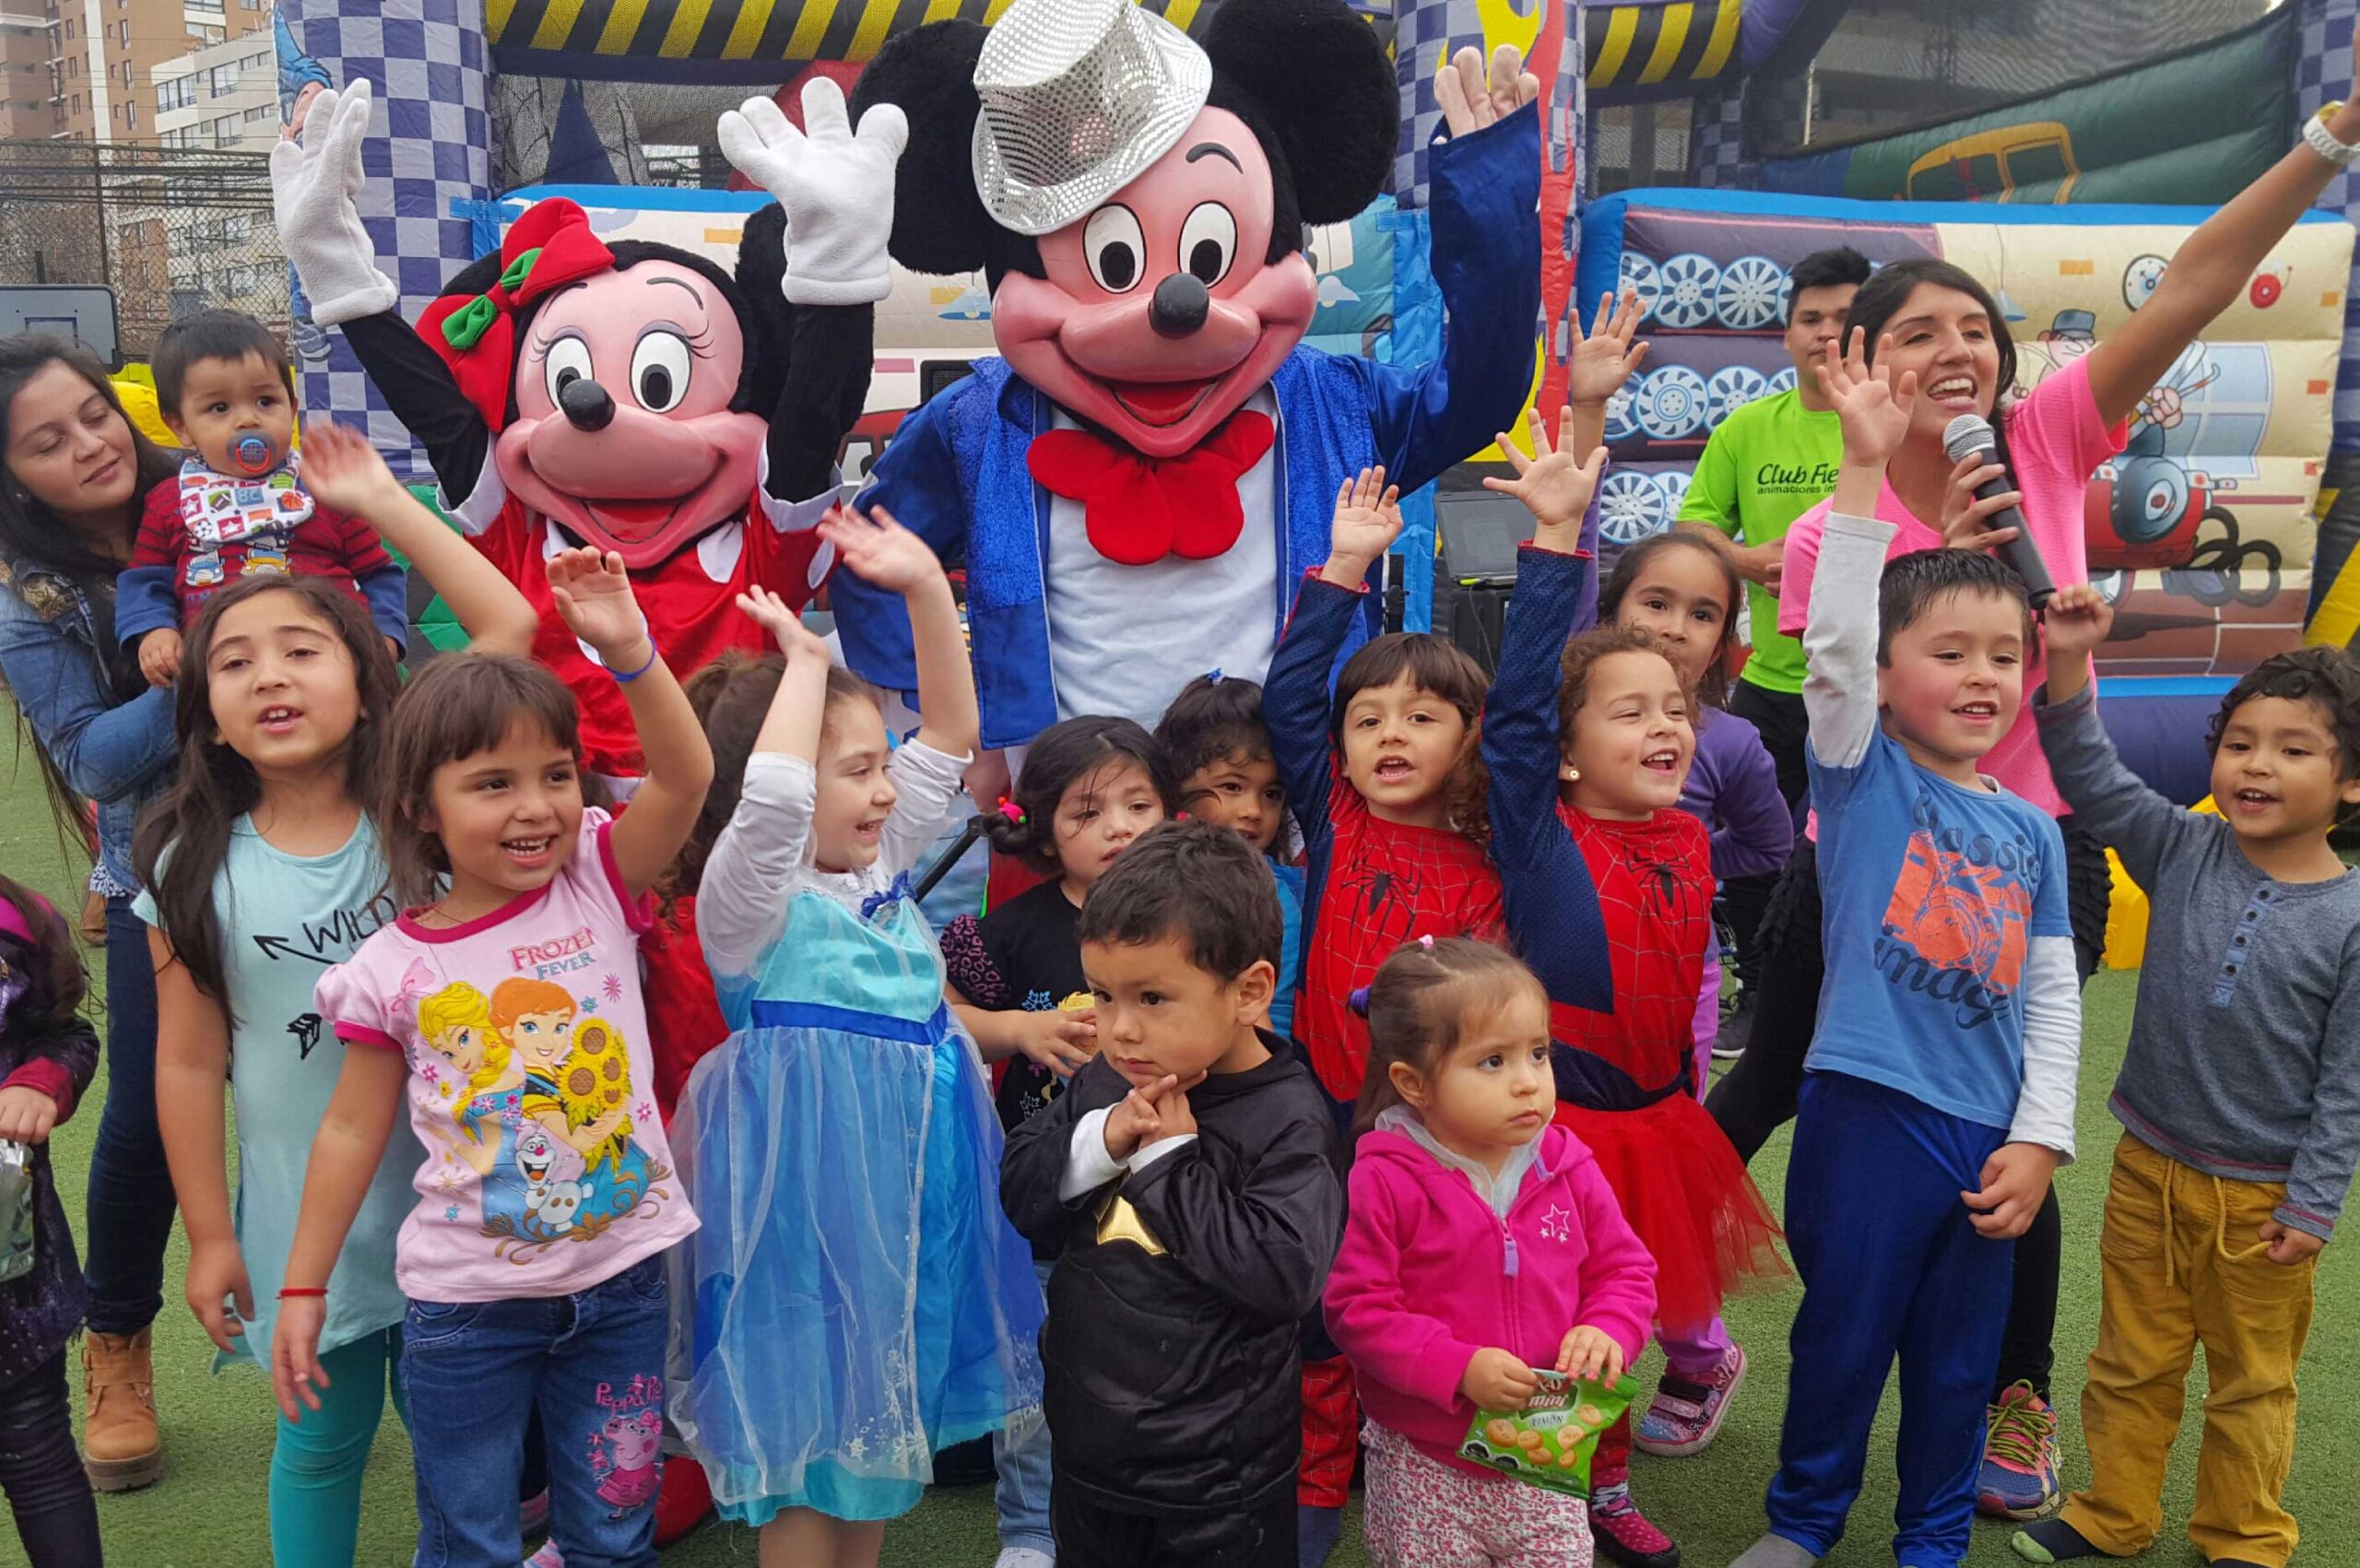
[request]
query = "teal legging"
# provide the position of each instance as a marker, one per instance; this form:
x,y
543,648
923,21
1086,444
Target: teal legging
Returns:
x,y
315,1468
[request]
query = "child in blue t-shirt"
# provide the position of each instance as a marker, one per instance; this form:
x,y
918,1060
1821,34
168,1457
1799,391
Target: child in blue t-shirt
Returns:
x,y
1939,1098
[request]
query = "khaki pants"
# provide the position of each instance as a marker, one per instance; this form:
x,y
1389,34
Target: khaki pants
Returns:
x,y
2183,1265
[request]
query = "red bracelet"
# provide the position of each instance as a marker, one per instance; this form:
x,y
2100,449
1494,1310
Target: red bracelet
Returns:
x,y
294,1292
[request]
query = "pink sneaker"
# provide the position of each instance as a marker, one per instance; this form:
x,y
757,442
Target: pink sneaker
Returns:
x,y
1688,1412
1623,1535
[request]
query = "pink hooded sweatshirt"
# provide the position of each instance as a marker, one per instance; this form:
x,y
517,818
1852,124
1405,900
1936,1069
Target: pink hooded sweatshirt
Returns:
x,y
1433,1267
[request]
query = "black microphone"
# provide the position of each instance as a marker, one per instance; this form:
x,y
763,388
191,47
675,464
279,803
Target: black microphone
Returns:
x,y
1970,435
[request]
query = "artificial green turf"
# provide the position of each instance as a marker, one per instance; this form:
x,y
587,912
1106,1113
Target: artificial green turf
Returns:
x,y
208,1511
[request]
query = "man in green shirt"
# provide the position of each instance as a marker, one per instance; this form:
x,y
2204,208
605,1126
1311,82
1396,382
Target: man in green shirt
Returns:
x,y
1766,464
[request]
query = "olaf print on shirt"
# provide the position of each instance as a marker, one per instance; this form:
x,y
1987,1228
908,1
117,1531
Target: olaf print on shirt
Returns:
x,y
540,1107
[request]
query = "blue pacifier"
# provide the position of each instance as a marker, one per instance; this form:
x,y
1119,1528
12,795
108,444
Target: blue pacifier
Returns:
x,y
251,454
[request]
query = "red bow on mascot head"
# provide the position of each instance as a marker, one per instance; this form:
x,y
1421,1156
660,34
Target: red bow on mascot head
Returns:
x,y
617,378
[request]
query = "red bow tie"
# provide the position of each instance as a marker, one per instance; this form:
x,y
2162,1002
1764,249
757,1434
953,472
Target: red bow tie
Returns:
x,y
1141,509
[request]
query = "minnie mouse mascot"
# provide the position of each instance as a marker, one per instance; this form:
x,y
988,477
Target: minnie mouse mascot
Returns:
x,y
572,392
1138,481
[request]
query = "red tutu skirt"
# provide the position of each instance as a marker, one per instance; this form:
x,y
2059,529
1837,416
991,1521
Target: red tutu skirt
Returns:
x,y
1686,1193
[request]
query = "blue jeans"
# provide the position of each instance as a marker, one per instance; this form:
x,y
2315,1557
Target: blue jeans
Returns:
x,y
130,1208
592,1364
1023,1494
316,1465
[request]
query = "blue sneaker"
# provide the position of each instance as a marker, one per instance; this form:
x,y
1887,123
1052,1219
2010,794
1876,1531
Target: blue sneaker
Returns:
x,y
2020,1458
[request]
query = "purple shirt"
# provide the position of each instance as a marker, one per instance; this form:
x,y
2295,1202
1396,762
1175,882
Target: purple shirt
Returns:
x,y
1732,788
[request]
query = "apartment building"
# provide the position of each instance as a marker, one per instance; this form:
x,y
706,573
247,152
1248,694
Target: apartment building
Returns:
x,y
223,94
106,57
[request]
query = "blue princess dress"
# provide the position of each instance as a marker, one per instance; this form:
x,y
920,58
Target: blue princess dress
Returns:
x,y
860,1300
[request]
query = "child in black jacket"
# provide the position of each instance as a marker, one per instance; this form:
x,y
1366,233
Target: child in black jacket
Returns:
x,y
1188,1176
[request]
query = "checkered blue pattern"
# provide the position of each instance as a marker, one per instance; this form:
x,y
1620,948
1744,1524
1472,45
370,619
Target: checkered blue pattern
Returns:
x,y
1427,32
428,160
1717,139
2323,73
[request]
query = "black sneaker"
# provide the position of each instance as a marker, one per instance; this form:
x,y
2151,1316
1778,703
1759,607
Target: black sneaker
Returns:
x,y
1736,1027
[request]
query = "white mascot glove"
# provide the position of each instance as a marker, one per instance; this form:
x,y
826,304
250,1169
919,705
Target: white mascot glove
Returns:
x,y
312,187
837,188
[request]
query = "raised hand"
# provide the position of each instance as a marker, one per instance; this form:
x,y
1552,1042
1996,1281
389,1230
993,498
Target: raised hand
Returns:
x,y
1874,411
1602,362
878,550
1553,485
2076,621
1498,1380
1965,515
1467,103
1367,521
835,183
341,468
314,189
594,598
776,617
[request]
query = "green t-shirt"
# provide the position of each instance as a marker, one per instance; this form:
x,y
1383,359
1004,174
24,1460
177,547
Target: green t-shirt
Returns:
x,y
1767,464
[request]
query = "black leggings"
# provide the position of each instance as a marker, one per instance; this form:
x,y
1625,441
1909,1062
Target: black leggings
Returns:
x,y
1757,1096
57,1518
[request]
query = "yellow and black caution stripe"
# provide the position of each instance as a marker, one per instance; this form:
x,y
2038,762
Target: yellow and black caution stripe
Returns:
x,y
1634,46
739,32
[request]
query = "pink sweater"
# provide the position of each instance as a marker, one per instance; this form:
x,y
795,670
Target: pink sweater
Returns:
x,y
2057,440
1429,1273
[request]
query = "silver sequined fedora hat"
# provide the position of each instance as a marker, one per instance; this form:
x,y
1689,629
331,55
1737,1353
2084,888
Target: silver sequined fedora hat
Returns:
x,y
1079,97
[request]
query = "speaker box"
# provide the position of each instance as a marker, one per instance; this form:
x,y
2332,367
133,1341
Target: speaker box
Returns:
x,y
1481,534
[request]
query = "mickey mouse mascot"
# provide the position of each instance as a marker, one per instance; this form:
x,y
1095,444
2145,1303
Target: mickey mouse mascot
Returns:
x,y
1138,481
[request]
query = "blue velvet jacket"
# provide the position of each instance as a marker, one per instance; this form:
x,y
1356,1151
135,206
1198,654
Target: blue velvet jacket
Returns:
x,y
955,471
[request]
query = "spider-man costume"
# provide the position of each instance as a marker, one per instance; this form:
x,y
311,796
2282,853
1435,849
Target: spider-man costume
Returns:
x,y
1623,1061
1371,885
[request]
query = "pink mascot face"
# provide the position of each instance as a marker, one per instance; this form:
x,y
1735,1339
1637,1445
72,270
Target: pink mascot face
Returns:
x,y
623,433
1159,316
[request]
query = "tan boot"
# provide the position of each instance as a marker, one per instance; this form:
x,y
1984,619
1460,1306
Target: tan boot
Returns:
x,y
120,1446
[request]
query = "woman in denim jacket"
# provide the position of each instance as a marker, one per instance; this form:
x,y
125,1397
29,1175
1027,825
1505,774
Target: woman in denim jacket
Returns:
x,y
73,475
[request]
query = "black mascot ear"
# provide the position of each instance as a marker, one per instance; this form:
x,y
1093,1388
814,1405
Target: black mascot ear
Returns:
x,y
939,224
476,278
1319,78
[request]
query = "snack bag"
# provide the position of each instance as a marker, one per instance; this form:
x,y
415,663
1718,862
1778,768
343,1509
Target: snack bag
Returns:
x,y
17,1221
1549,1442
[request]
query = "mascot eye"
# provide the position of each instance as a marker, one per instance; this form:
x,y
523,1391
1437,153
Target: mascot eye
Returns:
x,y
567,361
1207,242
659,372
1113,244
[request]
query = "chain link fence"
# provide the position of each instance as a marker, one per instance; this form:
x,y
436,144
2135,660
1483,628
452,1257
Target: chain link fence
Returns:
x,y
171,230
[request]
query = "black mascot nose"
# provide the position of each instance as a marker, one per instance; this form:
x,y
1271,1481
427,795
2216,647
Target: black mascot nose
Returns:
x,y
1179,306
587,404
